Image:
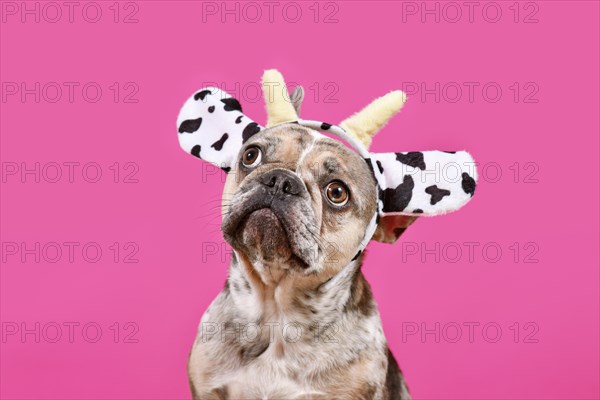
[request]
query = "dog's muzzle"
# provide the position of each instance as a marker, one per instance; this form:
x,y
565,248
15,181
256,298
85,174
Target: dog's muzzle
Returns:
x,y
273,218
282,184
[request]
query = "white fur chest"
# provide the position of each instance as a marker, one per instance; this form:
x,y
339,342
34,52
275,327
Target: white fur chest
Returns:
x,y
270,376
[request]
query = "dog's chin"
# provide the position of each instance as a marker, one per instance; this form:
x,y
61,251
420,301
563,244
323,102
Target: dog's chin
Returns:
x,y
262,236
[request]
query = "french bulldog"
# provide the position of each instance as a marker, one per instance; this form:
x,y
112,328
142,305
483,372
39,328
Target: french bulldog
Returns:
x,y
297,318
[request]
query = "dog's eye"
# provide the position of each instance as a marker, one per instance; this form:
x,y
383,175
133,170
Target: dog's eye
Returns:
x,y
251,157
337,193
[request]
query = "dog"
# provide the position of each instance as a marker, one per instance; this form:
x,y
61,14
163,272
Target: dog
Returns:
x,y
297,318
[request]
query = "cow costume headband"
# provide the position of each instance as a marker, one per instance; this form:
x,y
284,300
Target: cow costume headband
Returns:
x,y
212,127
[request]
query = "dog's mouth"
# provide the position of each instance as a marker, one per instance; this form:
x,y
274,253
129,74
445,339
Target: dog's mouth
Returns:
x,y
263,231
263,228
269,233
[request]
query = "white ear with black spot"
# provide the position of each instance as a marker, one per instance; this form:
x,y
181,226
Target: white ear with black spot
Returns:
x,y
424,183
211,126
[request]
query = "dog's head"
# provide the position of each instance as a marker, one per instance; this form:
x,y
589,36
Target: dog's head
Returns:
x,y
297,199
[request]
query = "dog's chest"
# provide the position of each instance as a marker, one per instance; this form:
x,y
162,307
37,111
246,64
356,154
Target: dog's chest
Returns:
x,y
288,345
272,375
280,356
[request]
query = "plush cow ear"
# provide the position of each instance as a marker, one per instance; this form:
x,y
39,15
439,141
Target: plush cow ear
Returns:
x,y
418,184
212,127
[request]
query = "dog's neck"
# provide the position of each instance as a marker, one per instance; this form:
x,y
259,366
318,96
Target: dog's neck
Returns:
x,y
278,293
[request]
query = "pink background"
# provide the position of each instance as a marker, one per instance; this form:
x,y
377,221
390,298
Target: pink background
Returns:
x,y
170,213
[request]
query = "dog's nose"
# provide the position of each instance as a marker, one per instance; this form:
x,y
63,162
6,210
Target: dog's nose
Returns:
x,y
282,181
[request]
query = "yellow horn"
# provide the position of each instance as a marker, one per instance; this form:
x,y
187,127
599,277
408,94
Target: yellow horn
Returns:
x,y
367,122
279,106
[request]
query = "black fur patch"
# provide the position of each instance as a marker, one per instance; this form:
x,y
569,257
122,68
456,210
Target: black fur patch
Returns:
x,y
218,145
238,119
196,150
231,104
253,351
397,199
226,169
436,193
379,166
250,130
393,379
201,95
190,125
417,211
361,298
468,184
414,159
211,109
368,161
325,126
